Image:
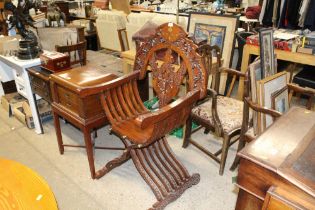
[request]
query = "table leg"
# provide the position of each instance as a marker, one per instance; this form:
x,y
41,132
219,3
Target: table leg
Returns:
x,y
32,103
244,66
58,132
40,121
1,89
89,150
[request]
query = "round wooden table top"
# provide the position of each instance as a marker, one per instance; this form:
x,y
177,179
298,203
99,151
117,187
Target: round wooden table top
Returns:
x,y
22,188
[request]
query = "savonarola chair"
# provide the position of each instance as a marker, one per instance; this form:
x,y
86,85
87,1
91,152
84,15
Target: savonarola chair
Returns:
x,y
143,132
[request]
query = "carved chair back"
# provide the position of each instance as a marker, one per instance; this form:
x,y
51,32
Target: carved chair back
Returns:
x,y
77,52
171,56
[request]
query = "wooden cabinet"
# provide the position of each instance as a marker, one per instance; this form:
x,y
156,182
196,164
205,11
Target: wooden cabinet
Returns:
x,y
283,157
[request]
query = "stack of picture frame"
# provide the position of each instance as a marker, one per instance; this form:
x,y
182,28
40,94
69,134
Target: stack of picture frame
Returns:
x,y
268,88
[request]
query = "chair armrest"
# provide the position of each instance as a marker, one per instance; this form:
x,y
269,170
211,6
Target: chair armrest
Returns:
x,y
302,90
168,111
232,71
256,107
109,84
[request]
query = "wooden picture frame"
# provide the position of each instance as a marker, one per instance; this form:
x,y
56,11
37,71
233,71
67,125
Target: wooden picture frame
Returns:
x,y
280,100
224,28
121,5
255,76
266,87
267,54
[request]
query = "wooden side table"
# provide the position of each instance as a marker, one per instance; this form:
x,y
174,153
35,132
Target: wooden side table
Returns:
x,y
22,188
76,99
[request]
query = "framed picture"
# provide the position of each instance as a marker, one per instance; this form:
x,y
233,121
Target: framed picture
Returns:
x,y
255,76
280,100
217,30
267,55
266,87
121,5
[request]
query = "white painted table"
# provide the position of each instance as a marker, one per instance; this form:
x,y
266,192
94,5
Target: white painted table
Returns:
x,y
249,22
12,68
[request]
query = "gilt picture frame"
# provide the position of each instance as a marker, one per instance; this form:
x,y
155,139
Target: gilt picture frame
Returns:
x,y
280,100
266,87
217,29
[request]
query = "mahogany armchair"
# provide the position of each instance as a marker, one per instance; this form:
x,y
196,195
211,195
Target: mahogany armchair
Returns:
x,y
143,132
248,133
220,114
77,52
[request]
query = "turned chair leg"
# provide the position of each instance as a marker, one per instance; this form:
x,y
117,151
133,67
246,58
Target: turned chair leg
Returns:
x,y
225,149
240,146
187,133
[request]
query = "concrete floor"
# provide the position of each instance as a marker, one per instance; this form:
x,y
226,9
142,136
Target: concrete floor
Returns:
x,y
123,188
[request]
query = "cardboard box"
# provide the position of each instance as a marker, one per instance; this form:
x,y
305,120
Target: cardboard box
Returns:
x,y
23,112
9,101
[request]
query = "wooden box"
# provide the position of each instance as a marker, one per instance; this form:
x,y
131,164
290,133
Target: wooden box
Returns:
x,y
55,61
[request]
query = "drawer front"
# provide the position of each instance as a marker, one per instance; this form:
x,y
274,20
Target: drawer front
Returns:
x,y
68,99
41,88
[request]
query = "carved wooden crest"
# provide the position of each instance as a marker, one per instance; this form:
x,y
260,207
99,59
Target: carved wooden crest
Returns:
x,y
171,56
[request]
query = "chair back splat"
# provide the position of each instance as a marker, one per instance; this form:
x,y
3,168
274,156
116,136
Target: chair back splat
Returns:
x,y
77,52
172,59
171,56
